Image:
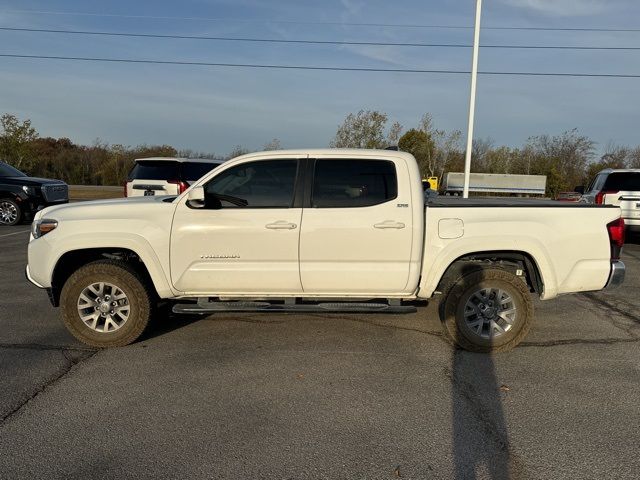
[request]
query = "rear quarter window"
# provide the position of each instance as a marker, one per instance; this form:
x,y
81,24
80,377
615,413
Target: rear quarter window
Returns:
x,y
623,181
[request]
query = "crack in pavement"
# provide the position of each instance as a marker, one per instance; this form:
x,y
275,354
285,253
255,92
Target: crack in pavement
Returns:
x,y
39,346
70,364
603,304
579,341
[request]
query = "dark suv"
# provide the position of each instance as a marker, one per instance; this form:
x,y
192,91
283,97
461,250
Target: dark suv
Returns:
x,y
22,196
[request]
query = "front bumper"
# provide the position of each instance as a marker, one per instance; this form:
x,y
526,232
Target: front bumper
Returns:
x,y
28,275
616,277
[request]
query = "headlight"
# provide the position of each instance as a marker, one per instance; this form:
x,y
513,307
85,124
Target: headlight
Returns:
x,y
29,190
42,227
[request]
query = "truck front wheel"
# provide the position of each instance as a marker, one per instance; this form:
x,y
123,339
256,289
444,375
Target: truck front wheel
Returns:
x,y
106,304
487,310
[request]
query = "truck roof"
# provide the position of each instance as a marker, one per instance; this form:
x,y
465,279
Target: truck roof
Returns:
x,y
180,159
334,152
620,170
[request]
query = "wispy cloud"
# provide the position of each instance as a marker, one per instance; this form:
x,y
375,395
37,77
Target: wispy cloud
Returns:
x,y
561,7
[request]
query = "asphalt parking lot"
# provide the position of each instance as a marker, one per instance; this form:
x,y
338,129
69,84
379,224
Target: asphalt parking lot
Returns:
x,y
309,396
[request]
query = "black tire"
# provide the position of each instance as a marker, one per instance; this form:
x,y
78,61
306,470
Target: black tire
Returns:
x,y
10,212
460,298
138,298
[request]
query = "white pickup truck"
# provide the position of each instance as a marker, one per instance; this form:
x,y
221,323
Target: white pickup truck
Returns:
x,y
319,230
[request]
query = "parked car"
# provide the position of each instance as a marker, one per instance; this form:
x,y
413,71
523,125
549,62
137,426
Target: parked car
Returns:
x,y
166,175
22,196
620,187
320,231
568,196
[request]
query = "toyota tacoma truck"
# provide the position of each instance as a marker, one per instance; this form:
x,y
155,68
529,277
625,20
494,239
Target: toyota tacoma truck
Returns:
x,y
319,231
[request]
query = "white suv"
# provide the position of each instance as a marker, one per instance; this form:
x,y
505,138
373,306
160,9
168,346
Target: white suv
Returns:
x,y
617,187
166,175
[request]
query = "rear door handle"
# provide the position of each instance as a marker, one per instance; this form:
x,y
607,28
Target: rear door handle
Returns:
x,y
281,225
389,224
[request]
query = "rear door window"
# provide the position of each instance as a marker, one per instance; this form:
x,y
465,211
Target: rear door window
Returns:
x,y
155,170
353,183
623,182
192,171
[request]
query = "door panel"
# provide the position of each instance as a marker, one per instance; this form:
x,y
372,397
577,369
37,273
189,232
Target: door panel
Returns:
x,y
357,235
246,238
235,250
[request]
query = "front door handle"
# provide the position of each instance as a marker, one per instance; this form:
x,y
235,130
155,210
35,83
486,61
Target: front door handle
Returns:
x,y
281,225
389,224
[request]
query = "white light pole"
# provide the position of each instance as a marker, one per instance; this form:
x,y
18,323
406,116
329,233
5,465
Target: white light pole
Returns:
x,y
472,100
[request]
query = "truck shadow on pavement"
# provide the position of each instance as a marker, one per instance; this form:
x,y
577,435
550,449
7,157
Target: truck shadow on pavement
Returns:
x,y
164,321
480,437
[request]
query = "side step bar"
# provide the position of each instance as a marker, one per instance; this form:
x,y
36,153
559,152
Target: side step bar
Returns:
x,y
205,306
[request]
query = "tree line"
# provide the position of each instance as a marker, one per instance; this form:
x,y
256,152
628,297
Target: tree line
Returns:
x,y
97,164
567,159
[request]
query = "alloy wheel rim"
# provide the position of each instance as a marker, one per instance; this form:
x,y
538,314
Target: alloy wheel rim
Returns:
x,y
490,313
103,307
8,212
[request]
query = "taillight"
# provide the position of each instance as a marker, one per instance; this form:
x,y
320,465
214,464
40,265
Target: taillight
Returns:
x,y
601,195
616,237
126,194
182,186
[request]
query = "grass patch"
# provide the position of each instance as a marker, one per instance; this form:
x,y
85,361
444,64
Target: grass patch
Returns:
x,y
91,192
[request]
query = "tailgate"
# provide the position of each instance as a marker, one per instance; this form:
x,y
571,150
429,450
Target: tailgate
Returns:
x,y
630,205
137,188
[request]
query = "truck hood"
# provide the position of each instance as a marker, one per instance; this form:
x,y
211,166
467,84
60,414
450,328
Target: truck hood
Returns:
x,y
108,209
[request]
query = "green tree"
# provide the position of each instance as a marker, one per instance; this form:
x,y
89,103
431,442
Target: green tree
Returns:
x,y
15,141
420,144
562,158
364,129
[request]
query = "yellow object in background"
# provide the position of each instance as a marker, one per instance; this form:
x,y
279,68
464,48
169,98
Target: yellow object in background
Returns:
x,y
433,183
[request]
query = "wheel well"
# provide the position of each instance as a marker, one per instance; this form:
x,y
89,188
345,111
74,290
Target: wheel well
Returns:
x,y
518,263
71,261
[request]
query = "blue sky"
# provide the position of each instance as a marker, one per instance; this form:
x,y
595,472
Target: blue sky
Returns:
x,y
213,109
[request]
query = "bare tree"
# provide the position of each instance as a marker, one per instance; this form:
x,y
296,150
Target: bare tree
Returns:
x,y
274,144
394,133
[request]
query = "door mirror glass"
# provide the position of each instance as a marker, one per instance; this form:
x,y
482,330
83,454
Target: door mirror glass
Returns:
x,y
195,197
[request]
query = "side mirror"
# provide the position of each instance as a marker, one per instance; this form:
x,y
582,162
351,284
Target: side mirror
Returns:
x,y
579,189
195,197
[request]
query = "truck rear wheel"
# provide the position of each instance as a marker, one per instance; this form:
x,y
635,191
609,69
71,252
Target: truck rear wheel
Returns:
x,y
487,310
106,304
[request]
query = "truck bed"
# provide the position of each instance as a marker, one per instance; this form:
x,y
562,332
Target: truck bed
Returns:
x,y
506,202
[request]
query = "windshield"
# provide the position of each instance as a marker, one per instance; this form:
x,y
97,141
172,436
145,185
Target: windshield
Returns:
x,y
155,170
9,171
623,181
